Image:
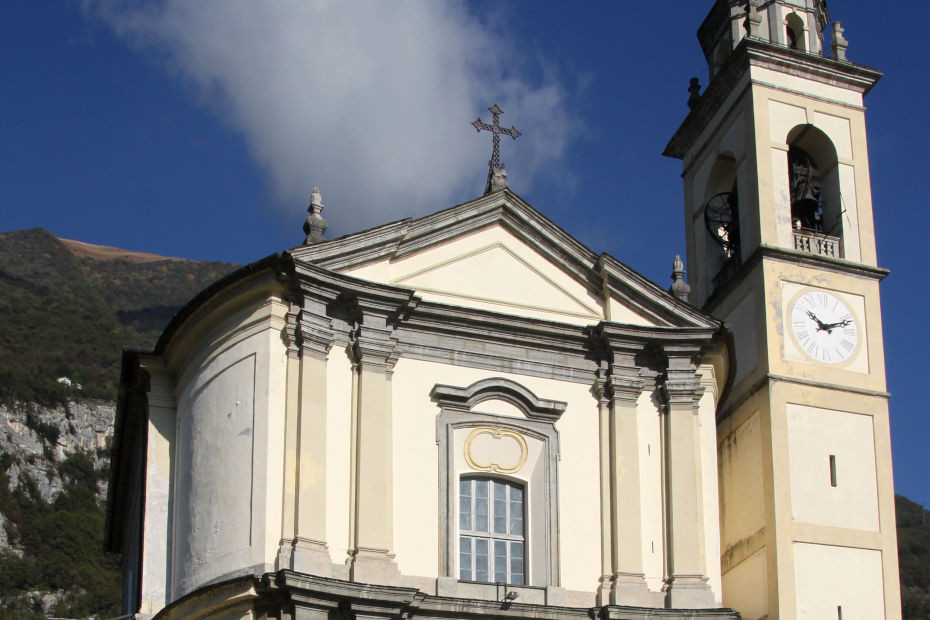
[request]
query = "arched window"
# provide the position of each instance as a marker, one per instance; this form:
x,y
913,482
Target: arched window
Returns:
x,y
817,209
804,180
498,487
794,32
492,539
721,245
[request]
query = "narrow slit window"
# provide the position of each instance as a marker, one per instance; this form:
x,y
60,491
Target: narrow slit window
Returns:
x,y
832,470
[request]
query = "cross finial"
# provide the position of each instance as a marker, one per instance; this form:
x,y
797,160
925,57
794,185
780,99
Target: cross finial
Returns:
x,y
495,166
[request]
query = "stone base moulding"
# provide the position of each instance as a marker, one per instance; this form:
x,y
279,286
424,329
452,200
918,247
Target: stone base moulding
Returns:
x,y
373,566
689,592
630,589
288,594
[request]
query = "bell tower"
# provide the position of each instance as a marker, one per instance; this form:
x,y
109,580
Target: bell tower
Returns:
x,y
781,247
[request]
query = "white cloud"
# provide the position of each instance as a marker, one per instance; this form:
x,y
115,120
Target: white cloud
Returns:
x,y
371,101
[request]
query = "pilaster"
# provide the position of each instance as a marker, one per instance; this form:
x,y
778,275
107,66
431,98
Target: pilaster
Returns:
x,y
372,347
309,339
628,585
687,585
311,554
291,413
603,409
162,419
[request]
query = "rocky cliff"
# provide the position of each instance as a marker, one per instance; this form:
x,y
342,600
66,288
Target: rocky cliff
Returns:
x,y
66,310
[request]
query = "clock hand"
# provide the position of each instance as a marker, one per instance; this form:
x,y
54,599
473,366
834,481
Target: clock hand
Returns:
x,y
831,326
821,327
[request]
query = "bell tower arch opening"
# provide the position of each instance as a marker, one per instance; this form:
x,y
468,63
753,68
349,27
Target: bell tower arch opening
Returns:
x,y
721,219
795,34
816,198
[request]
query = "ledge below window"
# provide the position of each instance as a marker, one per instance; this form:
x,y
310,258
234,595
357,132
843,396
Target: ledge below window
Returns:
x,y
817,243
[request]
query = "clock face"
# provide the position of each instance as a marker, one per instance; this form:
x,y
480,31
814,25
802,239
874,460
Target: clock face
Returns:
x,y
824,327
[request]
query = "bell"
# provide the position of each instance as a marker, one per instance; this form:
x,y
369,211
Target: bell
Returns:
x,y
805,195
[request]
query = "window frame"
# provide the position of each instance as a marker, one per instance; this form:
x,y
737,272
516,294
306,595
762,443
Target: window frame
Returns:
x,y
540,492
474,533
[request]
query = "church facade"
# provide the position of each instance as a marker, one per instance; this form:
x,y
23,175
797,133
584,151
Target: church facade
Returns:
x,y
472,415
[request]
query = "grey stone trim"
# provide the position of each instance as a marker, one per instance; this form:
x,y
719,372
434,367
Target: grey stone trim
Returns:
x,y
465,399
409,236
355,248
823,263
648,298
457,416
599,274
290,594
497,342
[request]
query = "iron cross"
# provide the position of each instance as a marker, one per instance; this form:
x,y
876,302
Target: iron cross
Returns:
x,y
495,129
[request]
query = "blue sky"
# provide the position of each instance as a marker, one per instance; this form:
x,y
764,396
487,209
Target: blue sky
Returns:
x,y
198,130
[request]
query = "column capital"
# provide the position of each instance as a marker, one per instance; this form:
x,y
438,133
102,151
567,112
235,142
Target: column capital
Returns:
x,y
316,333
625,387
680,385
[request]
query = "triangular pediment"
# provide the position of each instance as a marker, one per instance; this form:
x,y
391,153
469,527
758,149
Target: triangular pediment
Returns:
x,y
498,253
497,275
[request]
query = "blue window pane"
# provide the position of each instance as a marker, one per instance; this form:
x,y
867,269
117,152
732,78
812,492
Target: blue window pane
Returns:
x,y
516,494
465,558
481,546
481,515
500,514
500,508
500,490
481,488
465,513
516,527
500,560
481,559
465,487
516,509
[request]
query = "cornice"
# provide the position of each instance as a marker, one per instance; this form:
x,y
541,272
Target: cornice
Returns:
x,y
466,399
785,255
648,298
758,53
601,275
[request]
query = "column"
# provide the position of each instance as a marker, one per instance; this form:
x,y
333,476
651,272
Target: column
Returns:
x,y
628,585
687,585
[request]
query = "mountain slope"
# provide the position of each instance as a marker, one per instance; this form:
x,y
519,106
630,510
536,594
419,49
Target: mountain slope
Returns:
x,y
914,557
67,308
